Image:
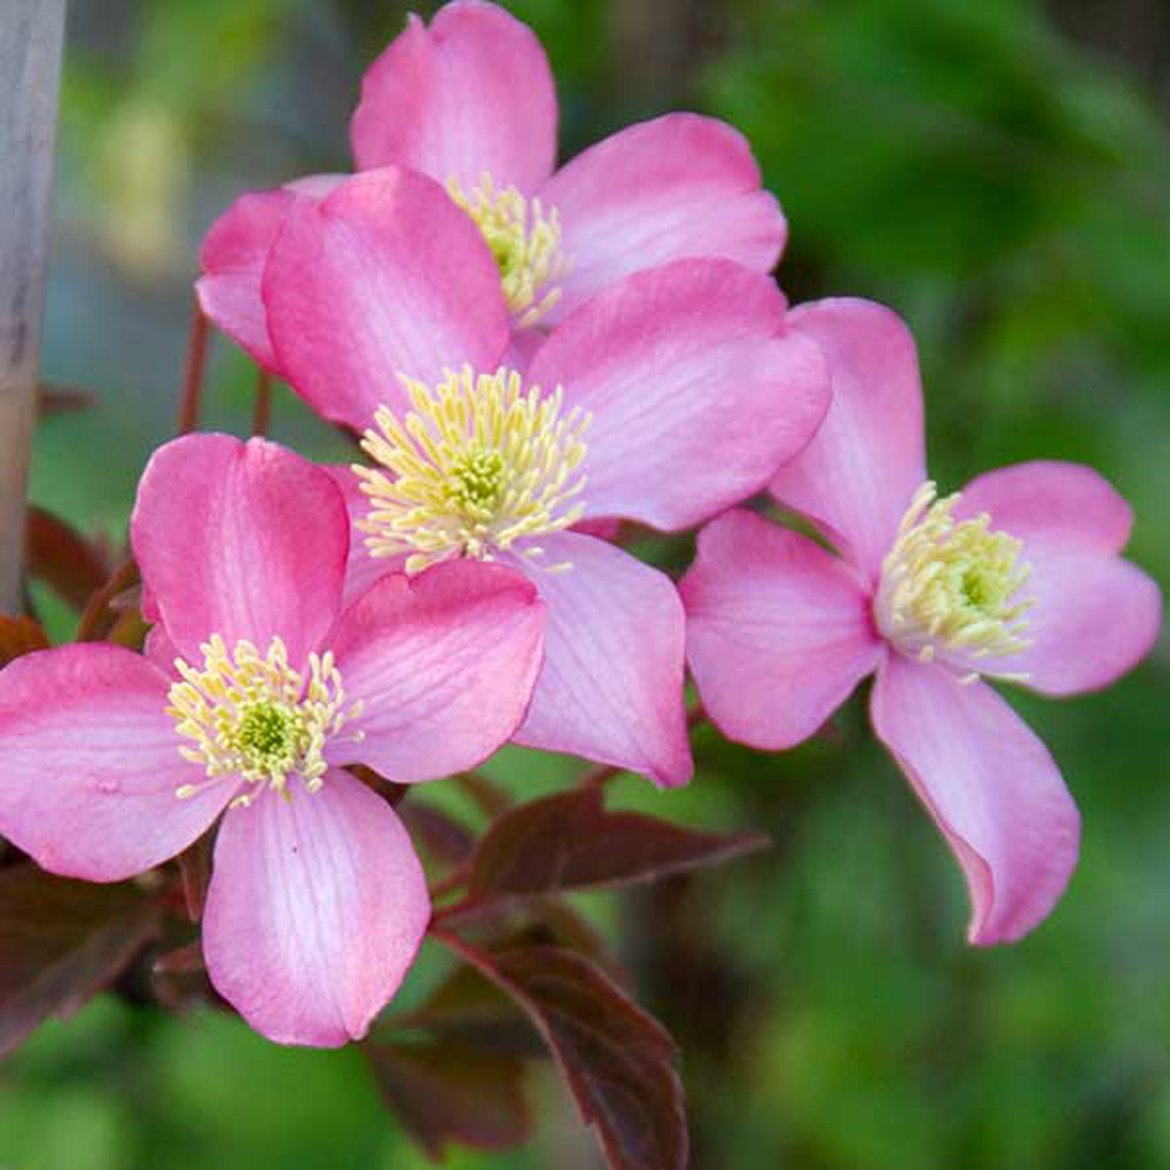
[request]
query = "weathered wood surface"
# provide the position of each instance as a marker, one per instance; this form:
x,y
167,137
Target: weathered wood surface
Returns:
x,y
31,34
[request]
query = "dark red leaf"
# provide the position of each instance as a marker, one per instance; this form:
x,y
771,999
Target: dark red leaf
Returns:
x,y
444,838
443,1092
618,1061
57,399
570,842
62,558
20,636
60,942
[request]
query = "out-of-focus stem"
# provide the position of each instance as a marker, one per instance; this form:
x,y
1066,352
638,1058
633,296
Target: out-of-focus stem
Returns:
x,y
31,34
262,403
193,378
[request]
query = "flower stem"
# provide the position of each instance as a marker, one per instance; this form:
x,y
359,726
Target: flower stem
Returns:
x,y
262,402
196,368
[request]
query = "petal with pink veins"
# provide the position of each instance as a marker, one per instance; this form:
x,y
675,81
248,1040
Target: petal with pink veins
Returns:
x,y
680,186
244,540
444,664
90,764
696,389
316,909
385,276
611,688
233,256
856,478
1093,615
472,93
778,631
991,787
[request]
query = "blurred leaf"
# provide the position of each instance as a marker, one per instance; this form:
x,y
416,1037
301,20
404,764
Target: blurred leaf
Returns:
x,y
570,842
62,558
63,400
60,942
441,835
19,635
618,1060
442,1092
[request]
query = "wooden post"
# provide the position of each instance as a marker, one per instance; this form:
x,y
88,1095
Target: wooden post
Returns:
x,y
31,35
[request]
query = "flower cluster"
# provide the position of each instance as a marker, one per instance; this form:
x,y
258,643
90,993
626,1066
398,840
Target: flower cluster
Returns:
x,y
530,358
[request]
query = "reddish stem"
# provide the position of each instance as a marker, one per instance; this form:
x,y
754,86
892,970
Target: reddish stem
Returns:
x,y
196,367
91,627
262,403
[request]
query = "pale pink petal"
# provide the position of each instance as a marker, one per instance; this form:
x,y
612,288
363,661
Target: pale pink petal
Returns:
x,y
234,252
1061,504
244,540
386,276
991,787
678,186
1093,616
89,764
611,689
316,910
361,569
856,478
778,631
696,389
443,664
472,93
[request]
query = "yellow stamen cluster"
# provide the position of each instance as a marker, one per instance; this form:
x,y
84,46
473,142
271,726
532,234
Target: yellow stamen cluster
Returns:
x,y
952,587
253,716
525,239
476,465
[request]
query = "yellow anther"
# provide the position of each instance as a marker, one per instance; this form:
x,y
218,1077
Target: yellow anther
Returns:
x,y
952,588
476,465
525,239
253,716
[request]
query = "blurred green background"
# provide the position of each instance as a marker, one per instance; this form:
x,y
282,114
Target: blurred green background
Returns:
x,y
997,171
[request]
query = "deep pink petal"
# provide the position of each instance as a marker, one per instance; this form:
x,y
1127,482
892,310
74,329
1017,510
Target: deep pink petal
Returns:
x,y
385,276
697,391
245,540
444,664
316,910
1093,615
472,93
991,787
89,764
1063,505
856,478
678,186
611,688
778,631
234,252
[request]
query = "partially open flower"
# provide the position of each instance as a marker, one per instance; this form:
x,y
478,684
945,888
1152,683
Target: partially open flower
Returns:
x,y
257,690
470,102
1016,577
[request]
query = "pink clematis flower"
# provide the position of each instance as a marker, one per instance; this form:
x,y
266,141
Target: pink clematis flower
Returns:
x,y
663,400
256,691
470,101
1017,577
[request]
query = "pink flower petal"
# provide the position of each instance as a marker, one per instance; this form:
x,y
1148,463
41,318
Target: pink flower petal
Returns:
x,y
696,390
245,540
444,664
316,910
611,688
856,478
678,186
90,764
234,252
361,569
1061,504
471,93
1093,616
991,787
386,276
778,631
